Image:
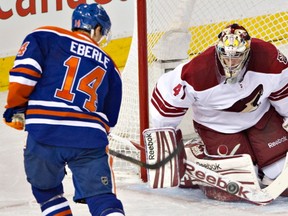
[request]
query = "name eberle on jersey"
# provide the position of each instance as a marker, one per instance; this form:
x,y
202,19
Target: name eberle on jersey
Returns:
x,y
89,52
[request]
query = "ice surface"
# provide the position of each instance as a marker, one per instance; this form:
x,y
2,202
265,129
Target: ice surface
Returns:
x,y
139,200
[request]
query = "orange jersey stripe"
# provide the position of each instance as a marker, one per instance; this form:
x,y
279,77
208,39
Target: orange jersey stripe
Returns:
x,y
26,71
67,32
66,114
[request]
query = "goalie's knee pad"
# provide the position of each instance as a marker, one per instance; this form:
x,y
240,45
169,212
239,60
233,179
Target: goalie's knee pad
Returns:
x,y
104,205
237,168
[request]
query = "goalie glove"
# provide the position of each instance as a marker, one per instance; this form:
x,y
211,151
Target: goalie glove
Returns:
x,y
285,124
15,117
194,150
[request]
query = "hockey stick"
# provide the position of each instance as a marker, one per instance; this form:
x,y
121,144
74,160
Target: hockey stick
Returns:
x,y
126,141
156,165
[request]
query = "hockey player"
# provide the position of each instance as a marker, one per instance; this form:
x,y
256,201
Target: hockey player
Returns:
x,y
238,92
68,91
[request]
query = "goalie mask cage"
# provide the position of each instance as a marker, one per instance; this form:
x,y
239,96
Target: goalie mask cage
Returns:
x,y
169,32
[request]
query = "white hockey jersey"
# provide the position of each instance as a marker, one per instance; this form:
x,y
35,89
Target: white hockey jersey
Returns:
x,y
219,105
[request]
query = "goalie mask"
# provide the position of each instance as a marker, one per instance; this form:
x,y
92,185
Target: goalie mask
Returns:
x,y
233,50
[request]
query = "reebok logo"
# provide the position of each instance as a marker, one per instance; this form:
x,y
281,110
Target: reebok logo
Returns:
x,y
213,167
277,142
150,144
213,180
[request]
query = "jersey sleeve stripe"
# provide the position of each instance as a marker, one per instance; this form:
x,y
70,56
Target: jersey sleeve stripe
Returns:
x,y
164,107
28,61
26,71
163,113
22,80
280,94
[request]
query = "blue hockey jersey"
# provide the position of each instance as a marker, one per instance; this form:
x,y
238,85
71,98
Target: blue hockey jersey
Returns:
x,y
70,86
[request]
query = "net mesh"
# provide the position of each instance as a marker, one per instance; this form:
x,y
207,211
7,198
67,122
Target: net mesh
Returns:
x,y
178,30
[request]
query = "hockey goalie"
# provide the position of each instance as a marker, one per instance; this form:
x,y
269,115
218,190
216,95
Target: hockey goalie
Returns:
x,y
238,93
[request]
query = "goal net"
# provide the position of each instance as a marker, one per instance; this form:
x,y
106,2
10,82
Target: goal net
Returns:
x,y
177,31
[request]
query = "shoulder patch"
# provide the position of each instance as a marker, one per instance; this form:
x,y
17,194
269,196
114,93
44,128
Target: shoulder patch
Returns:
x,y
281,58
23,49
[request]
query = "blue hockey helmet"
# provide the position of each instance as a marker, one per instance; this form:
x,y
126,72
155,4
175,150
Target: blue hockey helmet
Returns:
x,y
88,16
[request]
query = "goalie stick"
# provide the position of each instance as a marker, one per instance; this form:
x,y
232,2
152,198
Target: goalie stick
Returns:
x,y
153,166
156,165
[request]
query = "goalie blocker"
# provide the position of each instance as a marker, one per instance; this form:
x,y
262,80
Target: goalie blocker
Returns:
x,y
225,178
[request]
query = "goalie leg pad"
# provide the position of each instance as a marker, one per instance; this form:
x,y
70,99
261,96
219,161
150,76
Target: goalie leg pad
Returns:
x,y
159,143
237,168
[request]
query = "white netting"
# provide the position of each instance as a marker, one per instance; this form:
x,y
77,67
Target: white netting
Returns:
x,y
177,30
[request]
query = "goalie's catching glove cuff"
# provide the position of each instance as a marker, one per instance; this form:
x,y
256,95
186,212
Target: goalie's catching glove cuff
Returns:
x,y
15,117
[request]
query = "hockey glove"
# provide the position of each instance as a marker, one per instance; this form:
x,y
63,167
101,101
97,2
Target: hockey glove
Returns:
x,y
15,117
285,124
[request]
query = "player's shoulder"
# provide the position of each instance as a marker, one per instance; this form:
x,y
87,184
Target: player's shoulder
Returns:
x,y
201,71
53,30
266,58
259,43
262,48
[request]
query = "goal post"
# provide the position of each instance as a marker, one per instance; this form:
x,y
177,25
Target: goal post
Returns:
x,y
143,78
169,32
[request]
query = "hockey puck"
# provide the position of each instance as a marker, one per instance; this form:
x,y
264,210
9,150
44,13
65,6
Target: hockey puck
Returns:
x,y
232,188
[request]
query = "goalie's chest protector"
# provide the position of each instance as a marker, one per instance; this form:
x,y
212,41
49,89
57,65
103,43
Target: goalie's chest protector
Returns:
x,y
228,107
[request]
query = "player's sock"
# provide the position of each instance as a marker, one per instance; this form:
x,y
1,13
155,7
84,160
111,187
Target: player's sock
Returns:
x,y
58,206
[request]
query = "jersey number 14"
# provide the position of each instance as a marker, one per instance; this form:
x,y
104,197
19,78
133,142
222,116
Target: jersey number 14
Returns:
x,y
88,84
